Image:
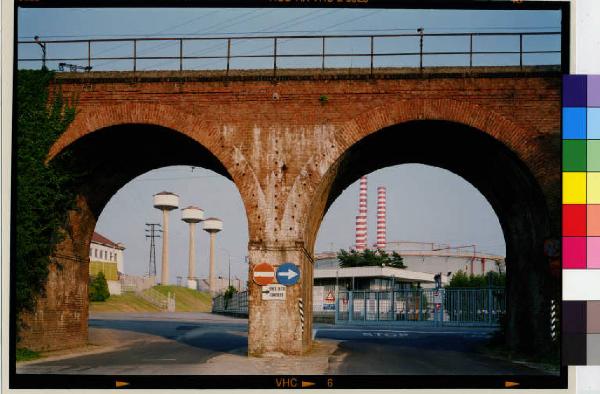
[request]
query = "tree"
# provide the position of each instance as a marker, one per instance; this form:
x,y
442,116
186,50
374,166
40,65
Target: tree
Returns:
x,y
369,258
98,288
461,279
44,191
228,295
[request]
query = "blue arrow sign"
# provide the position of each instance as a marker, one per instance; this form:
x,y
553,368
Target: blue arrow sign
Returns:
x,y
288,274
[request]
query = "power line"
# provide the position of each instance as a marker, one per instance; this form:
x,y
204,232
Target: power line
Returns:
x,y
297,18
192,35
207,30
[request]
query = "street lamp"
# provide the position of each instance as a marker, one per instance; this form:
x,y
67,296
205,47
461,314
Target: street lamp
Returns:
x,y
229,267
43,46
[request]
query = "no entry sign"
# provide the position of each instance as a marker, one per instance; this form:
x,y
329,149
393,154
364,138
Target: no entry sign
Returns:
x,y
263,274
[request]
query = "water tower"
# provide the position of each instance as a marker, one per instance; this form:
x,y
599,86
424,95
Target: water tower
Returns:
x,y
212,226
165,201
192,215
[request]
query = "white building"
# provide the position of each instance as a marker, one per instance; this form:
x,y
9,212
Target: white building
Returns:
x,y
422,260
107,256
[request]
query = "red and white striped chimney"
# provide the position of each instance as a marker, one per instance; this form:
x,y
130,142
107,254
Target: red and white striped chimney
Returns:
x,y
381,221
361,219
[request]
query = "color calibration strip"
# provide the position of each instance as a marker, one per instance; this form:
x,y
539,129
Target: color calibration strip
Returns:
x,y
581,219
581,172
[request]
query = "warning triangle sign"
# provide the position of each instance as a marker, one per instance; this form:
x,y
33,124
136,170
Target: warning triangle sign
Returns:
x,y
330,296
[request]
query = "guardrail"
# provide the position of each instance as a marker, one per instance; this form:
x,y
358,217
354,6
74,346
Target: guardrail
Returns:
x,y
521,47
237,304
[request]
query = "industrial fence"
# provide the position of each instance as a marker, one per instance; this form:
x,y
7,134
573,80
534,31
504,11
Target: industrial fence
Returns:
x,y
447,307
370,52
236,305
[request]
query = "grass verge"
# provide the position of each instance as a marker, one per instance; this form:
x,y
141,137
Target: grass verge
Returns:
x,y
187,300
24,354
127,302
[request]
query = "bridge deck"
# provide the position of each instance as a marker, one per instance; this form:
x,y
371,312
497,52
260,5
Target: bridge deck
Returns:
x,y
308,74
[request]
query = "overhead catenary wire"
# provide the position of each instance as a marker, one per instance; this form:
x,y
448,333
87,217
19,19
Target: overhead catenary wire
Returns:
x,y
207,30
191,35
206,50
286,40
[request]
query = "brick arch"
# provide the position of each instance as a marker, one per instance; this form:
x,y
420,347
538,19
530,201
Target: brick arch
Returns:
x,y
207,134
92,119
492,123
510,182
497,126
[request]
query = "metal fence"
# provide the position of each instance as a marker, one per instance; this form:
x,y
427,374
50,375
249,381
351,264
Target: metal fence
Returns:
x,y
424,50
448,307
443,307
237,304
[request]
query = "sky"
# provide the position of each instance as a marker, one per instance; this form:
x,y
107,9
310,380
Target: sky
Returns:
x,y
72,24
424,203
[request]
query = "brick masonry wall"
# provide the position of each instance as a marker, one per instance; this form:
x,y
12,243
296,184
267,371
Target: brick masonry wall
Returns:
x,y
281,143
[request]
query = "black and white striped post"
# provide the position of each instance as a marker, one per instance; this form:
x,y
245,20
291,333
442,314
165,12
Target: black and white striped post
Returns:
x,y
301,309
553,319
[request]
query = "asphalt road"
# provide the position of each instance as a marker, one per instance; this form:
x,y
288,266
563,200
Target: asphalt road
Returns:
x,y
175,343
416,351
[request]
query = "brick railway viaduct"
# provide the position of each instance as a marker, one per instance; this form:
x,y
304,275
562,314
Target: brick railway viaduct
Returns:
x,y
291,145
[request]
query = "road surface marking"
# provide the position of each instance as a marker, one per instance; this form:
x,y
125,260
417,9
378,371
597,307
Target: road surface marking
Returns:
x,y
160,359
402,331
384,334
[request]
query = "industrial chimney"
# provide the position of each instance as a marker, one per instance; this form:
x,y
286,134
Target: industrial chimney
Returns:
x,y
381,220
361,219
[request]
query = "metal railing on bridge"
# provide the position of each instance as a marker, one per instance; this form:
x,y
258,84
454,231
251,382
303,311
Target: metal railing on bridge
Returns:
x,y
447,307
323,52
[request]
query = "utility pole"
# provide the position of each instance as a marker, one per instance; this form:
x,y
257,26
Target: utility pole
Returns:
x,y
152,232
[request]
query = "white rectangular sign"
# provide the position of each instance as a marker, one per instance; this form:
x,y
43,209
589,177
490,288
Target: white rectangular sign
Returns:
x,y
273,292
318,298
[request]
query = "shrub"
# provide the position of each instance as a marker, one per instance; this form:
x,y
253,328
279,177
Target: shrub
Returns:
x,y
98,289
